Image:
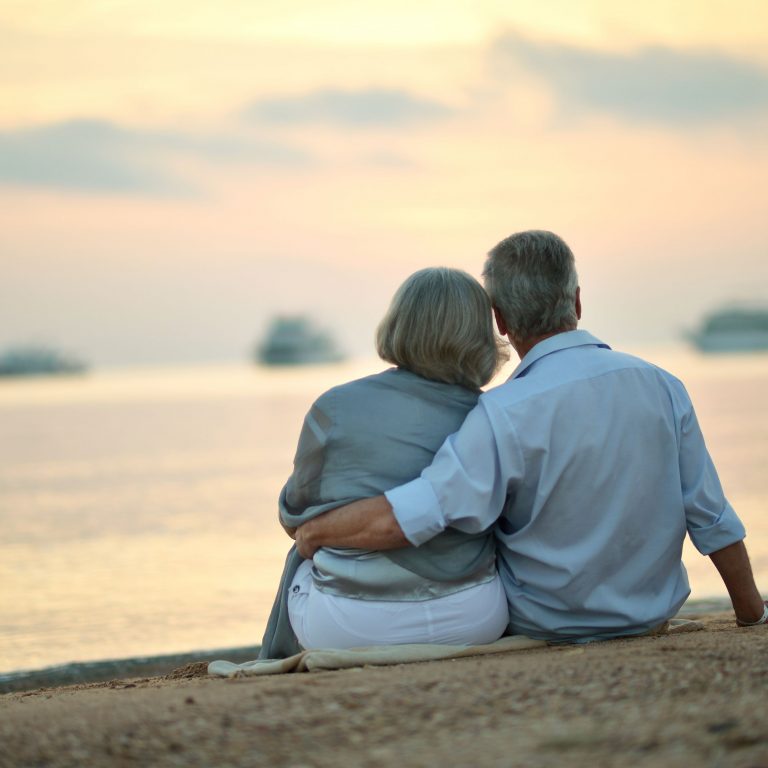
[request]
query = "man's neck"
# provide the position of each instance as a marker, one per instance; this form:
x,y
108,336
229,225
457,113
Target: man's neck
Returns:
x,y
524,346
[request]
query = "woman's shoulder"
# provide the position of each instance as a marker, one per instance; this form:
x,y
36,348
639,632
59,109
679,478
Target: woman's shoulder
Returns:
x,y
350,388
400,380
395,385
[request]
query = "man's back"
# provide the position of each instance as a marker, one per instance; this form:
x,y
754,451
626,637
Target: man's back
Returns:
x,y
603,467
594,530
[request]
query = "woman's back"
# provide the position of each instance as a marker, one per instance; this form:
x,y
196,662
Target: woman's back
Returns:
x,y
360,439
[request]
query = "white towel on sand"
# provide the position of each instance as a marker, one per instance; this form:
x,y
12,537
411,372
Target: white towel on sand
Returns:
x,y
383,655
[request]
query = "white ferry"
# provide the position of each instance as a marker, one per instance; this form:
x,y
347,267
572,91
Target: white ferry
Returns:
x,y
735,329
38,361
293,341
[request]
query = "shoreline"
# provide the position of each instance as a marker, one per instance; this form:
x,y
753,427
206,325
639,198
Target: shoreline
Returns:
x,y
102,670
672,701
84,672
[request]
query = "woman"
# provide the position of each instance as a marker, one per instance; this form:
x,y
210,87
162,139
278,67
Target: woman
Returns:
x,y
369,435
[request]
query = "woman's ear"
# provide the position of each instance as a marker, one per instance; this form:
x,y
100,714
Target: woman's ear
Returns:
x,y
500,324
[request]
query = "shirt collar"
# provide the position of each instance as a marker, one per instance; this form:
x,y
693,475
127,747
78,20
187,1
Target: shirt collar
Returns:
x,y
556,343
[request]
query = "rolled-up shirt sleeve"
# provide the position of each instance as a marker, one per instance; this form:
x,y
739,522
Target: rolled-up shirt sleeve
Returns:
x,y
711,521
463,488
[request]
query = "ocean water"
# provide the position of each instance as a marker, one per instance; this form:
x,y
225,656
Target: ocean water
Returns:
x,y
138,507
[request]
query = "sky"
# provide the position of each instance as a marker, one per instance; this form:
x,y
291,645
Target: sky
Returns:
x,y
172,175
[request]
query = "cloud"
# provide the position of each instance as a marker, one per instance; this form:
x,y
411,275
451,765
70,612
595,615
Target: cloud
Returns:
x,y
357,109
79,155
100,156
652,84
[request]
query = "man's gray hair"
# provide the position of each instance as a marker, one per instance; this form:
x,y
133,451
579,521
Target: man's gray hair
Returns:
x,y
531,279
439,325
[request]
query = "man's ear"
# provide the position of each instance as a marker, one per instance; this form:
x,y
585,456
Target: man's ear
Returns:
x,y
578,302
500,324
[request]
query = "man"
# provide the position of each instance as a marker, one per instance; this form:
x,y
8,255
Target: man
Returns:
x,y
591,463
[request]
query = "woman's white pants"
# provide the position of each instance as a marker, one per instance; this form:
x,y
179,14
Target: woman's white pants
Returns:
x,y
472,616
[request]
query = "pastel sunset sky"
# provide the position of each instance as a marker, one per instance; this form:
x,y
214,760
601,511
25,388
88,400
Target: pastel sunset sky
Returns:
x,y
172,174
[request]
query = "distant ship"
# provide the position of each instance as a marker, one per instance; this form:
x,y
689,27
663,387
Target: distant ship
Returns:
x,y
293,341
735,329
38,361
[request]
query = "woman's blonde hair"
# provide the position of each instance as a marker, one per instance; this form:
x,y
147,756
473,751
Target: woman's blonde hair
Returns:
x,y
439,325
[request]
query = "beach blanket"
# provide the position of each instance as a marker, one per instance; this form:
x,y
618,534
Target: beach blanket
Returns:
x,y
384,655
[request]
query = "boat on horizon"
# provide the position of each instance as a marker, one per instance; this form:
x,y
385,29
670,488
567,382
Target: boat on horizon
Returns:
x,y
292,340
733,329
39,361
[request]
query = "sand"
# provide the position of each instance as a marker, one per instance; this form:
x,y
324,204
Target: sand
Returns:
x,y
692,699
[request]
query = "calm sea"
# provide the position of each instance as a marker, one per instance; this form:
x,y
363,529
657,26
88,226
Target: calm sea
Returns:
x,y
138,507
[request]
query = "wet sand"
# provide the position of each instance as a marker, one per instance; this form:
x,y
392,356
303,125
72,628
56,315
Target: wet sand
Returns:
x,y
77,673
692,699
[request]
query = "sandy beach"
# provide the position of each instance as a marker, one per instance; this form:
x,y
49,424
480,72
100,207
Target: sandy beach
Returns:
x,y
692,699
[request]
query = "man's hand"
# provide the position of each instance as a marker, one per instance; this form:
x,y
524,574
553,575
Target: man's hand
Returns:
x,y
364,524
291,531
304,542
733,564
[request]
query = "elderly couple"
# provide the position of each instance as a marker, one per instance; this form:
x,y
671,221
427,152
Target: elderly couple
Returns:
x,y
554,505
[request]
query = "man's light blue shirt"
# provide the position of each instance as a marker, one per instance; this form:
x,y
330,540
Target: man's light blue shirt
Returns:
x,y
592,465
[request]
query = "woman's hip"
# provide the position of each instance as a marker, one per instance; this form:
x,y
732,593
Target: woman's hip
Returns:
x,y
475,615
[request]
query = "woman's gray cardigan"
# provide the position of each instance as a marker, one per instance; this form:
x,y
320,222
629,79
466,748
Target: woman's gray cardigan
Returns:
x,y
359,440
